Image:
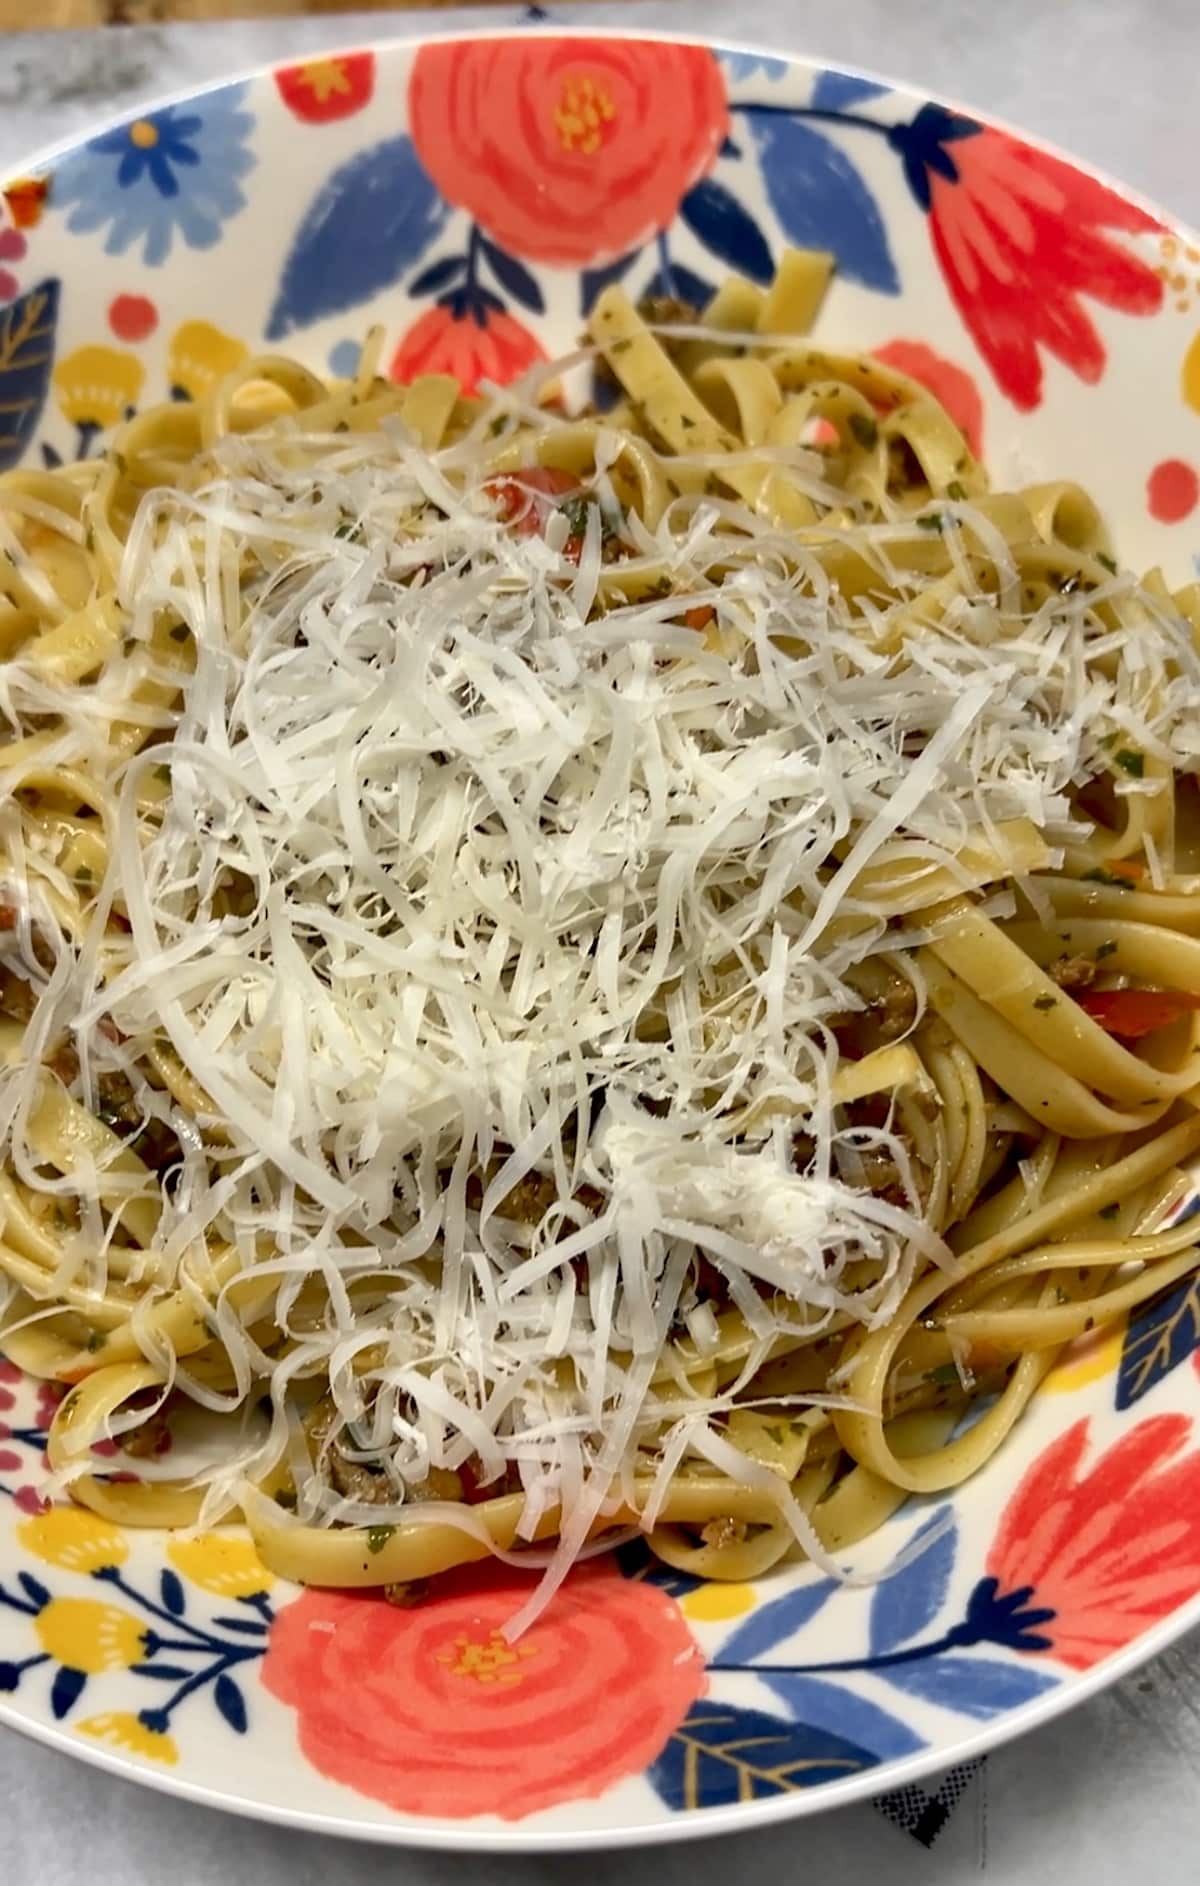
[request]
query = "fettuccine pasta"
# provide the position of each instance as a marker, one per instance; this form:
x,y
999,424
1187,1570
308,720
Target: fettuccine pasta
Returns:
x,y
574,967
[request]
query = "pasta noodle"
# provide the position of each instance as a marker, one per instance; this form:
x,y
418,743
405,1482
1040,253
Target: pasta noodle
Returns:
x,y
568,969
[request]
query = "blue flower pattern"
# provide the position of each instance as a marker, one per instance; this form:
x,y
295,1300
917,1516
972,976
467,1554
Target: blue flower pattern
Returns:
x,y
173,172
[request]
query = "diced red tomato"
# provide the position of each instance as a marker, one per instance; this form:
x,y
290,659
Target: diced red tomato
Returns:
x,y
700,617
1132,1013
517,496
1131,869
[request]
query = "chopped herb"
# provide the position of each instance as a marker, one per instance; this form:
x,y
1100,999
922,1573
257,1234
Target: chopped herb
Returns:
x,y
621,347
1130,761
932,520
286,1497
347,530
96,1340
179,633
864,430
378,1536
118,463
1100,876
945,1375
775,1432
89,539
686,421
1060,1295
497,426
1046,1001
1108,562
164,773
956,491
84,875
1108,1211
1106,949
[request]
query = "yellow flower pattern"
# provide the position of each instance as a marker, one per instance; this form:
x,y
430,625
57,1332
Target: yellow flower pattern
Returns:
x,y
78,1541
222,1563
714,1603
121,1730
94,386
84,1635
200,355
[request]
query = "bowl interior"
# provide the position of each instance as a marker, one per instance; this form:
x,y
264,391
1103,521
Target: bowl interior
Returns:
x,y
472,196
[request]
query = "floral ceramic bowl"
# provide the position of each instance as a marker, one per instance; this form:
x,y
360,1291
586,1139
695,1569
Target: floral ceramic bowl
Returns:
x,y
474,195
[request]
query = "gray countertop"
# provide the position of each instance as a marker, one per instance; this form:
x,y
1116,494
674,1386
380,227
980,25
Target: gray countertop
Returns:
x,y
1113,1788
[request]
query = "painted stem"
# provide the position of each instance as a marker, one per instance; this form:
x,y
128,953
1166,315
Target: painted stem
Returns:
x,y
854,118
961,1635
664,264
209,1674
111,1576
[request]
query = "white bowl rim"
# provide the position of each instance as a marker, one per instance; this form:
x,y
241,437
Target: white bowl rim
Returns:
x,y
702,1822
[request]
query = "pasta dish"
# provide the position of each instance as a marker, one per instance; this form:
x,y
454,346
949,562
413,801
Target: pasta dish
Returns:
x,y
572,966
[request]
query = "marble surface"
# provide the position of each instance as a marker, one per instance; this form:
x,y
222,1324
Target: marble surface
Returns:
x,y
1111,1789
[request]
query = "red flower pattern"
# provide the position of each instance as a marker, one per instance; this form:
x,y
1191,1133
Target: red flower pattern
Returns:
x,y
1020,237
567,150
1112,1549
12,248
132,317
951,385
26,1497
433,1712
26,199
322,89
487,346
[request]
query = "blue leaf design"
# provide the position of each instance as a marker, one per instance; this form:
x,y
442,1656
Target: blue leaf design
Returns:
x,y
1162,1334
773,1622
745,65
52,458
33,1588
910,1599
439,274
166,1672
27,328
822,202
636,1560
251,1627
173,1594
593,280
231,1703
973,1686
720,1754
834,90
680,281
723,225
513,276
366,225
843,1712
65,1691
